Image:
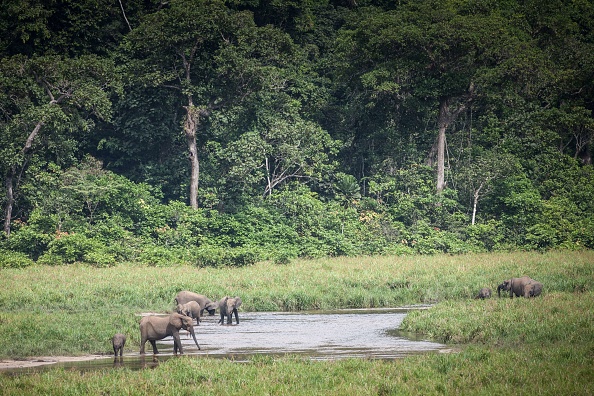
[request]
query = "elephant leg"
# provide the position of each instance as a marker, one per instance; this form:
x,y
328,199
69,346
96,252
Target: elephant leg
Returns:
x,y
154,344
177,345
222,320
236,316
142,346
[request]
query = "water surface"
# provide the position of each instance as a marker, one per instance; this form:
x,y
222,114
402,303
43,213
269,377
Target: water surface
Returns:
x,y
319,335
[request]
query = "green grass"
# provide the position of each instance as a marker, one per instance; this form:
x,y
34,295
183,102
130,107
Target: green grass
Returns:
x,y
501,344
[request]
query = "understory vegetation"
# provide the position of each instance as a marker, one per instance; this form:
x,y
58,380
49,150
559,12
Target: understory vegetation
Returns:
x,y
498,343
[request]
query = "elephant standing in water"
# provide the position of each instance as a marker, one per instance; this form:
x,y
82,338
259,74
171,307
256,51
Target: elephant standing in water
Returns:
x,y
520,287
153,328
227,307
118,341
205,303
191,309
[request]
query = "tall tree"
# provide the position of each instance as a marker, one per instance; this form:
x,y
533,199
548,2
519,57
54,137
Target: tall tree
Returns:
x,y
175,48
427,51
46,100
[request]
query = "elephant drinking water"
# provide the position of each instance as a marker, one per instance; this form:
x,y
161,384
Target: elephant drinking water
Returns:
x,y
153,328
186,296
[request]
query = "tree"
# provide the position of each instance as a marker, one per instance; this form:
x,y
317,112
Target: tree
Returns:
x,y
432,52
280,147
478,175
176,48
52,97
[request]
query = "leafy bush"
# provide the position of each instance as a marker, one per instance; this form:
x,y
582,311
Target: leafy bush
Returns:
x,y
10,259
68,248
211,256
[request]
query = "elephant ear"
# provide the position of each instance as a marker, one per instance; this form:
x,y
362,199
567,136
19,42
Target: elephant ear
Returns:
x,y
176,320
237,302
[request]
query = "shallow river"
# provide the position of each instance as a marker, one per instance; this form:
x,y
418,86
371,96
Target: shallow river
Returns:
x,y
316,334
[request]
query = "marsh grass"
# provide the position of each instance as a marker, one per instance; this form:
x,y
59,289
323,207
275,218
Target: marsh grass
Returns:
x,y
503,344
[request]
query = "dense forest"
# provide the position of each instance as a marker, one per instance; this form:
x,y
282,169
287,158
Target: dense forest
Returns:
x,y
218,132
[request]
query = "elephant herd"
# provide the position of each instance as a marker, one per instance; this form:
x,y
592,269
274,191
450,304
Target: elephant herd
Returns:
x,y
189,306
520,287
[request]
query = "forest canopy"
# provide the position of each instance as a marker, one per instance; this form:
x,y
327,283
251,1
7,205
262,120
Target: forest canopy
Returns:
x,y
217,132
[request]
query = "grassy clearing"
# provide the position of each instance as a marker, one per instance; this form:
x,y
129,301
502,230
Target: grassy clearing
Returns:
x,y
547,342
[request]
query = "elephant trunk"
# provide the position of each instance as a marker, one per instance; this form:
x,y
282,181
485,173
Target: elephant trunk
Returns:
x,y
499,290
191,330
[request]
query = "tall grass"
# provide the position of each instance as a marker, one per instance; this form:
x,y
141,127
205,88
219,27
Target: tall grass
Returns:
x,y
522,346
79,302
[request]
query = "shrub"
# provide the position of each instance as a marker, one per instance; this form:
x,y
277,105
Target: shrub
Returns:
x,y
69,248
10,259
210,256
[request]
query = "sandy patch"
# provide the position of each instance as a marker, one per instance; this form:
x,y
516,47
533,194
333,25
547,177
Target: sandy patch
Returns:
x,y
6,364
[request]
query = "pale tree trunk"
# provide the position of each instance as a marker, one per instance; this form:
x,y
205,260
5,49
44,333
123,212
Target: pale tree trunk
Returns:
x,y
9,202
9,181
190,128
445,118
474,205
443,123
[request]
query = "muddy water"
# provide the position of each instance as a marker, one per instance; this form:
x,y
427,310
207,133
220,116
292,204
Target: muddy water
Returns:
x,y
318,335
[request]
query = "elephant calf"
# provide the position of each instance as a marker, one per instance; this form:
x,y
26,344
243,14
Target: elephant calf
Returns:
x,y
186,296
118,341
227,307
485,292
532,289
191,309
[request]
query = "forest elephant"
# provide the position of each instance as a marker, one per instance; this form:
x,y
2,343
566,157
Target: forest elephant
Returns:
x,y
205,303
532,289
227,307
485,292
191,309
153,328
517,286
118,341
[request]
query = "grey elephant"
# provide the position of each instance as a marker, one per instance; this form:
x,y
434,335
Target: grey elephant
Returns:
x,y
191,309
516,286
485,292
533,289
205,303
153,328
118,341
227,307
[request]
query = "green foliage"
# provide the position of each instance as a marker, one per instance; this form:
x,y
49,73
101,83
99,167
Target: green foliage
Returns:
x,y
208,256
12,259
314,135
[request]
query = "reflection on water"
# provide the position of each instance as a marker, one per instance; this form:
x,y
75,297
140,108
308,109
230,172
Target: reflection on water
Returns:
x,y
316,334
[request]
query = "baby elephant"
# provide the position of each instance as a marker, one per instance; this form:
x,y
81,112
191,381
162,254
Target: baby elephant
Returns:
x,y
191,309
227,307
485,292
118,341
532,289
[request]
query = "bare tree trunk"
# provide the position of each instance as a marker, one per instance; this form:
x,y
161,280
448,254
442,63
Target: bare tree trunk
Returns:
x,y
9,182
442,122
9,202
474,205
190,127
